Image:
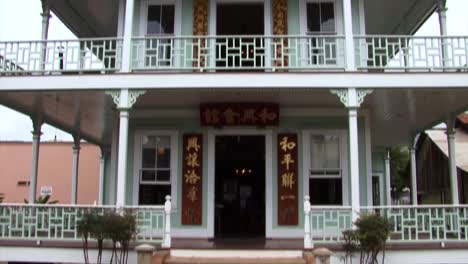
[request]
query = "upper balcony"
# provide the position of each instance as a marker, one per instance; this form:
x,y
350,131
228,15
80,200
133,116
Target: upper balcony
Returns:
x,y
283,53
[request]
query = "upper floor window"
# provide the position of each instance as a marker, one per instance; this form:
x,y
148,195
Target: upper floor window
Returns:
x,y
160,19
321,17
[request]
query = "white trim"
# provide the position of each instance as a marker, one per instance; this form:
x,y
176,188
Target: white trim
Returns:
x,y
341,133
266,13
268,173
338,5
368,151
174,137
380,176
231,81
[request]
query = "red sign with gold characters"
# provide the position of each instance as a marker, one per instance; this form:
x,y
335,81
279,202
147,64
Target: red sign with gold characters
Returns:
x,y
192,179
287,179
239,114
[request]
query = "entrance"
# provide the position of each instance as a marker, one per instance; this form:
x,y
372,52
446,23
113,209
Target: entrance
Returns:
x,y
239,186
239,19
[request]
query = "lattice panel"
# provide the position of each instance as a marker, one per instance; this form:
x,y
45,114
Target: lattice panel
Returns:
x,y
407,52
237,53
328,224
426,223
59,222
64,55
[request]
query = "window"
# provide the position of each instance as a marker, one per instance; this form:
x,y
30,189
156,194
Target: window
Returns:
x,y
155,169
324,154
320,23
159,23
321,18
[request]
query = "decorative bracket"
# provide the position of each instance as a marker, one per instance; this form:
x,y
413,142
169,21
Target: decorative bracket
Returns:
x,y
351,97
125,99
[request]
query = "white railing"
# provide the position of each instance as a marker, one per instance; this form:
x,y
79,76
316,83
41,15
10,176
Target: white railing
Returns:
x,y
97,55
208,53
325,224
423,223
411,52
59,222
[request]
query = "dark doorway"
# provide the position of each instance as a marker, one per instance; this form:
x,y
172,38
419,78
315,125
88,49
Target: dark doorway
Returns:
x,y
240,19
240,186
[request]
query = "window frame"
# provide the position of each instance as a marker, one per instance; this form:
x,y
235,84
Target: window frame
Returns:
x,y
144,16
339,30
174,163
343,144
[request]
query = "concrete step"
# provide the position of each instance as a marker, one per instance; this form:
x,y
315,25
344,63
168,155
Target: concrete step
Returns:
x,y
235,257
217,260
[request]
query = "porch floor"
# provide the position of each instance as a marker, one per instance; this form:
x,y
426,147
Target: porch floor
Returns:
x,y
237,243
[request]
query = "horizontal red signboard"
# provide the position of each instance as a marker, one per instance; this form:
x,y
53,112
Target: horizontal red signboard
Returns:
x,y
239,114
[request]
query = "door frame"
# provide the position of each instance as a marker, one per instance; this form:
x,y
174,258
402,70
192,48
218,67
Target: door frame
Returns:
x,y
266,14
268,134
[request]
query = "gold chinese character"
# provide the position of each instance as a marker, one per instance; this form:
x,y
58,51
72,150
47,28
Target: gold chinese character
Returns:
x,y
266,116
193,143
287,159
211,116
192,194
191,177
285,145
192,160
249,116
230,116
287,180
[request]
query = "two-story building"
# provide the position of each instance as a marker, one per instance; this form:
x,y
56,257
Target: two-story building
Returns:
x,y
246,113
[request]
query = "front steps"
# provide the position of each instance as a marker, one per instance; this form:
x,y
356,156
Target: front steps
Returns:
x,y
233,257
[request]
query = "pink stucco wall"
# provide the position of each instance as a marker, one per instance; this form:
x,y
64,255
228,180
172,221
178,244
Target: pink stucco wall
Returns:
x,y
55,169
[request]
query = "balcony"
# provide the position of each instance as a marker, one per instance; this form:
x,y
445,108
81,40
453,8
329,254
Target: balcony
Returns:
x,y
235,53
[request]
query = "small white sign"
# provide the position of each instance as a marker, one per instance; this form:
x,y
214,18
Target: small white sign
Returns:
x,y
46,190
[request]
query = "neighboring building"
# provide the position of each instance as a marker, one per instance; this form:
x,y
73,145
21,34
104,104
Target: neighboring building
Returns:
x,y
433,164
245,112
54,174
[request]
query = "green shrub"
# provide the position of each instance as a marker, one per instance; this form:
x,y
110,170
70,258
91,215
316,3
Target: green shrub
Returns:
x,y
369,238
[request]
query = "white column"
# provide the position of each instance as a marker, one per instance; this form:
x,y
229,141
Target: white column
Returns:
x,y
36,139
167,227
307,236
414,185
127,36
75,164
354,162
388,189
349,38
352,99
124,99
442,11
122,157
102,169
44,31
452,162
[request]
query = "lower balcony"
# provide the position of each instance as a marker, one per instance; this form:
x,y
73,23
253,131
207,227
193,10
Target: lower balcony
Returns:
x,y
235,53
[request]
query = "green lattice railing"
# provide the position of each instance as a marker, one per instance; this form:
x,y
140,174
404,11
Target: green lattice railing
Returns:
x,y
59,222
437,223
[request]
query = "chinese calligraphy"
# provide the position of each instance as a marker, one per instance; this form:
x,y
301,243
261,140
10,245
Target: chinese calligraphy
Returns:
x,y
192,184
287,179
239,114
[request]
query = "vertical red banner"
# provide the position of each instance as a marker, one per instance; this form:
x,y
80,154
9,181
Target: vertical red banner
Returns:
x,y
192,179
287,179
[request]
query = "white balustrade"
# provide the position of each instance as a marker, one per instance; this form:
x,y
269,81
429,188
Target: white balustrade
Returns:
x,y
411,52
59,222
79,55
202,53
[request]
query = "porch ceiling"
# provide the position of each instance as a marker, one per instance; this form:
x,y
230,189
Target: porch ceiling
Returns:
x,y
396,115
88,18
399,17
89,113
